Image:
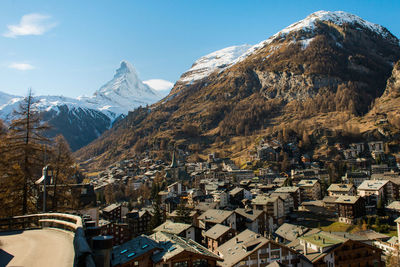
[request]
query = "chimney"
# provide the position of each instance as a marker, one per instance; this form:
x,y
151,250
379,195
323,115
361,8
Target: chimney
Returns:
x,y
305,248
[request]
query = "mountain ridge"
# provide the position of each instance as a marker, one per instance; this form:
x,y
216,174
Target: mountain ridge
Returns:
x,y
83,119
333,64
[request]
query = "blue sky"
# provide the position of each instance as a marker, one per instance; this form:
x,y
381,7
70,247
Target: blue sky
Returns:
x,y
75,46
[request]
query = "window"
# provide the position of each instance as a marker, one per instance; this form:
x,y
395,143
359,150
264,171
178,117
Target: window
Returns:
x,y
136,263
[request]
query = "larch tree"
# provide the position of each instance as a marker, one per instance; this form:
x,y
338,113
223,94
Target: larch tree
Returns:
x,y
62,163
25,153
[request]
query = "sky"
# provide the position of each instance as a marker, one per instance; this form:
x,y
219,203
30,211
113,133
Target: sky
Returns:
x,y
72,48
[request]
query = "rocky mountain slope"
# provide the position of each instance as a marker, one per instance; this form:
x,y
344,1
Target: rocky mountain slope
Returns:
x,y
83,119
331,63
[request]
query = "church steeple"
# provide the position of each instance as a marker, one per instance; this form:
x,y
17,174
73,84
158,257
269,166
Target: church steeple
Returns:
x,y
174,164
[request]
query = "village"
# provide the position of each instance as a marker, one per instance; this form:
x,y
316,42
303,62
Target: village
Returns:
x,y
215,213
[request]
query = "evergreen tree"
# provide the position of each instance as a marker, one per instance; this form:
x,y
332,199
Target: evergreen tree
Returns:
x,y
158,216
183,214
380,208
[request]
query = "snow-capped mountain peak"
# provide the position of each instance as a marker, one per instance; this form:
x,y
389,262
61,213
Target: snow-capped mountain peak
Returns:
x,y
336,17
227,57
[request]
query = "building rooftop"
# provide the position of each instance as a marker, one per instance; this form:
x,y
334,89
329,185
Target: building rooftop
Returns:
x,y
323,239
395,205
111,207
307,183
172,227
235,191
291,231
372,185
216,231
250,214
240,247
263,200
340,187
132,249
287,189
215,216
347,199
174,245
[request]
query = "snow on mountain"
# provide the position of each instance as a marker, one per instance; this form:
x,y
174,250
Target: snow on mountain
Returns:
x,y
217,60
123,93
227,57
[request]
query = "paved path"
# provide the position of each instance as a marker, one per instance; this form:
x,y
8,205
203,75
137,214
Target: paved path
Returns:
x,y
44,248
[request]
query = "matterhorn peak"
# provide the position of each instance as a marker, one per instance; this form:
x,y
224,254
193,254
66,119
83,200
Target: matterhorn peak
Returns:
x,y
126,67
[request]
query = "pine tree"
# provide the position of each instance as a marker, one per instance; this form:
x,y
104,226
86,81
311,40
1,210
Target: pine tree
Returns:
x,y
24,151
157,218
183,214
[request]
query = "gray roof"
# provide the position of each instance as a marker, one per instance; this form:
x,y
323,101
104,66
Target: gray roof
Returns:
x,y
372,185
216,231
215,216
395,205
240,247
172,227
371,234
263,199
174,245
111,207
287,189
204,206
329,199
250,214
235,190
291,231
340,187
347,199
307,183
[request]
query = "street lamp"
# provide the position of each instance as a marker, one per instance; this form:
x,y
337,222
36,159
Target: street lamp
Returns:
x,y
47,173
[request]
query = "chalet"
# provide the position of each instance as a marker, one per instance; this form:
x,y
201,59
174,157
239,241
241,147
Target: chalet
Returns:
x,y
214,216
179,229
179,251
138,221
251,249
252,219
350,208
136,252
290,232
194,214
375,190
311,189
120,232
393,209
218,235
294,191
288,202
237,194
272,206
112,212
341,189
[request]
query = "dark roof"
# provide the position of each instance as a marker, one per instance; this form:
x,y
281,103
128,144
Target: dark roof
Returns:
x,y
133,249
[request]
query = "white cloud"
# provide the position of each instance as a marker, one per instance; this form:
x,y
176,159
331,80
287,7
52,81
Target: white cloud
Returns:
x,y
21,66
30,24
159,84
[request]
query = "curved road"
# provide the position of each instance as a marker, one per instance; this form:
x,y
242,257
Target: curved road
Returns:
x,y
44,247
